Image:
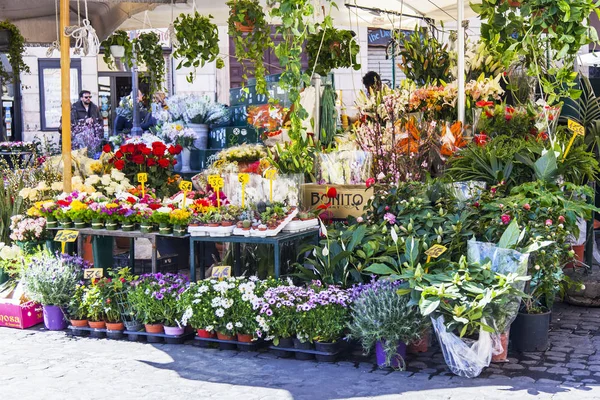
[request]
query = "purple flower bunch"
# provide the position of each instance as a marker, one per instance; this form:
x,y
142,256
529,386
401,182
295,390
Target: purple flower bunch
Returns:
x,y
163,285
155,298
375,286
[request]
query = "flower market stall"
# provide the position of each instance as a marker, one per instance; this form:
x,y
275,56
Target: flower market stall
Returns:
x,y
444,215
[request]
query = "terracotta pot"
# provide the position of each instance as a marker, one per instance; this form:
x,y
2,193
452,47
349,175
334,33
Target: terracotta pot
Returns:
x,y
213,225
97,324
226,223
203,333
504,342
154,328
244,338
247,26
79,323
115,326
223,336
514,3
420,346
579,250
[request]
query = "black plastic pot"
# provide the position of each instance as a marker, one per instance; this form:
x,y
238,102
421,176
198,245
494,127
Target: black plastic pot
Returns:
x,y
331,348
285,343
303,346
529,332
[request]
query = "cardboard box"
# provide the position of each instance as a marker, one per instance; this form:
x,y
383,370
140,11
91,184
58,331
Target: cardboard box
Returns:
x,y
350,201
21,316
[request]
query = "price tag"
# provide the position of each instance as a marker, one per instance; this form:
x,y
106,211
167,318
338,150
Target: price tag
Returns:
x,y
143,178
217,183
270,175
243,179
435,251
186,186
93,273
578,130
64,237
221,272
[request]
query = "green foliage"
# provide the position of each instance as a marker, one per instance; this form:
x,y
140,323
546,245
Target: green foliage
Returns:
x,y
198,42
250,46
587,109
331,48
378,313
424,59
149,51
16,50
50,280
78,308
296,157
118,38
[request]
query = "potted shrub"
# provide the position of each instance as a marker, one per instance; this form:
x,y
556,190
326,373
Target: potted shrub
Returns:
x,y
78,310
335,48
16,50
251,35
382,318
179,219
198,312
115,293
52,282
118,46
197,42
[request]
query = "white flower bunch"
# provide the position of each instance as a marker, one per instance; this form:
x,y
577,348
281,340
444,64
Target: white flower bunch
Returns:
x,y
109,184
193,108
177,133
24,228
10,253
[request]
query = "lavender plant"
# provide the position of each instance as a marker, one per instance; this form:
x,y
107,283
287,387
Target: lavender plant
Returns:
x,y
51,280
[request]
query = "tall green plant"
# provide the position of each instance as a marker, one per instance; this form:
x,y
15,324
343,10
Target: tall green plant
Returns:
x,y
424,59
149,51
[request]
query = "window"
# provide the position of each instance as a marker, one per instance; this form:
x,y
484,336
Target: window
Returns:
x,y
50,91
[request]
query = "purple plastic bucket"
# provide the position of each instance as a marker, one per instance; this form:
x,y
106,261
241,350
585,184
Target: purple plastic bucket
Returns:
x,y
173,330
395,362
54,319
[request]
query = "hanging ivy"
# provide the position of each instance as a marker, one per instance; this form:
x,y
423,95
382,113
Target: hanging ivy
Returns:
x,y
16,49
252,36
119,38
338,49
149,52
198,40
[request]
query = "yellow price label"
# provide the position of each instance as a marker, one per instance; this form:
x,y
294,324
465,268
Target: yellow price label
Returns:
x,y
142,177
186,186
66,236
217,183
270,175
221,272
576,127
435,251
243,178
93,273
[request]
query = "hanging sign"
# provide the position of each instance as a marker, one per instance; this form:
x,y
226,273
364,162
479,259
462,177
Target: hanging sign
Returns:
x,y
143,178
243,179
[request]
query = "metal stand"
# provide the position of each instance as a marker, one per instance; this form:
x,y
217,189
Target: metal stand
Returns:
x,y
135,130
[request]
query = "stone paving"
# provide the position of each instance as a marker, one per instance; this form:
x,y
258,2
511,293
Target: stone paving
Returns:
x,y
35,364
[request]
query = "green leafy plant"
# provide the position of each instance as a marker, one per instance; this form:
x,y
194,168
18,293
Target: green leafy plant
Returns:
x,y
119,38
51,280
198,42
248,16
424,59
331,48
78,308
16,50
149,51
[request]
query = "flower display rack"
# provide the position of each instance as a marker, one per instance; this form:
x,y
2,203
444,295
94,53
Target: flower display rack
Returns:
x,y
95,333
132,336
308,354
228,344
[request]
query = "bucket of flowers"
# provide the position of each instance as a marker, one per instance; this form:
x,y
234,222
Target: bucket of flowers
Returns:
x,y
79,214
110,214
28,233
180,219
161,217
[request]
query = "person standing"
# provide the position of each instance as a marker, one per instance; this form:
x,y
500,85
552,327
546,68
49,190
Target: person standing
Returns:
x,y
85,110
372,83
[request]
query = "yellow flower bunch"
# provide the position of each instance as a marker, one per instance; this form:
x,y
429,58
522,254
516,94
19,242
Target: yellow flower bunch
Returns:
x,y
179,216
77,205
112,205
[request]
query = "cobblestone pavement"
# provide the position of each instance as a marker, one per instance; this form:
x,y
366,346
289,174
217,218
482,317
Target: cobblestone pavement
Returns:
x,y
35,364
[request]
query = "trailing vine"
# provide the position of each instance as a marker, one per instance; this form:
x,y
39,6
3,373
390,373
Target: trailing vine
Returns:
x,y
248,15
198,42
149,51
16,49
118,38
336,48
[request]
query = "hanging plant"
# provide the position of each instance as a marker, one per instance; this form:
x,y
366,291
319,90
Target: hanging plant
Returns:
x,y
149,52
119,38
338,50
545,35
424,59
252,36
198,42
16,49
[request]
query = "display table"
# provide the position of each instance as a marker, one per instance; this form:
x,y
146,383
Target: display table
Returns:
x,y
277,242
153,237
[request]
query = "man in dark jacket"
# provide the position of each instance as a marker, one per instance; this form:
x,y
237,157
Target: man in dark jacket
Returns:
x,y
85,110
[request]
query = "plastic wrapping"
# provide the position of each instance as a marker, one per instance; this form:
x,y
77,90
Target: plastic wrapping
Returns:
x,y
469,360
286,188
345,167
464,191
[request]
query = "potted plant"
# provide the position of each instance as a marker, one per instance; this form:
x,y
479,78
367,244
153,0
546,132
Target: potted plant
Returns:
x,y
47,210
198,42
16,51
251,35
180,219
161,217
79,214
110,213
381,317
95,300
78,309
116,292
28,233
52,281
118,46
148,51
331,48
249,325
198,312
